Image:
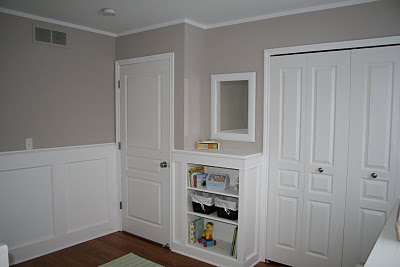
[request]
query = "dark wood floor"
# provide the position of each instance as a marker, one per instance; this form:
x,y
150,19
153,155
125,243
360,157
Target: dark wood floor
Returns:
x,y
110,247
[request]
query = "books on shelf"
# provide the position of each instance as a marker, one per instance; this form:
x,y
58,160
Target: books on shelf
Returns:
x,y
196,228
192,172
233,251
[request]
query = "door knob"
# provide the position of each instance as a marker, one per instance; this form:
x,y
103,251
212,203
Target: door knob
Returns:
x,y
320,169
163,164
374,175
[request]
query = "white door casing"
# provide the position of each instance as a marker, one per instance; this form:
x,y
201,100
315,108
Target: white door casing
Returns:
x,y
145,131
373,142
309,101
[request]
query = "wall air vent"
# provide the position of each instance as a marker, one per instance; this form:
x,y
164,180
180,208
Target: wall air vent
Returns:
x,y
50,37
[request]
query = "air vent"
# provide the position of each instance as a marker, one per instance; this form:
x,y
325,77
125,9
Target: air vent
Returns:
x,y
50,37
59,38
42,35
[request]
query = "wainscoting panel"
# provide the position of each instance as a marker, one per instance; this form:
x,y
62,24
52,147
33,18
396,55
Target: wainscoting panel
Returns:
x,y
54,198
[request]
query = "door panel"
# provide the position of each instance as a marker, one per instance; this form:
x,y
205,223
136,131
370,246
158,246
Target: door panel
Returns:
x,y
373,146
286,172
328,97
145,143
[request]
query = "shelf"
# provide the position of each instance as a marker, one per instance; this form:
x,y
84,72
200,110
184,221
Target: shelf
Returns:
x,y
213,216
222,248
230,192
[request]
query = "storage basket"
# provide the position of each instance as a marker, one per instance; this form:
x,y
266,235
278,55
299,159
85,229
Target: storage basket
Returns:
x,y
203,203
227,208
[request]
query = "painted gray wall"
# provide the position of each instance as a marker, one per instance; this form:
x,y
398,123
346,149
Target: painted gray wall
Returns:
x,y
58,96
240,48
159,41
194,85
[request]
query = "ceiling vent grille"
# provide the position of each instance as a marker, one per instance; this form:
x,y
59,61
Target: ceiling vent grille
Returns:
x,y
50,37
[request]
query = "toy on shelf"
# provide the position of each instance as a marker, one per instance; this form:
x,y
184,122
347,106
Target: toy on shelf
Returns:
x,y
207,237
207,145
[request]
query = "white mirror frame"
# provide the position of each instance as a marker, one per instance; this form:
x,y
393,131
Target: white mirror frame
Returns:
x,y
215,94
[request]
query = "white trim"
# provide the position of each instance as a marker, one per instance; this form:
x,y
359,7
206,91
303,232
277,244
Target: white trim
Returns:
x,y
234,135
297,49
54,21
161,25
290,12
185,20
118,64
336,45
40,150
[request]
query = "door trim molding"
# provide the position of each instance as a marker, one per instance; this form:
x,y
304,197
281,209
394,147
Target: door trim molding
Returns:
x,y
268,53
118,65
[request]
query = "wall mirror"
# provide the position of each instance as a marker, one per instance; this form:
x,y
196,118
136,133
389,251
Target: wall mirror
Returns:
x,y
233,98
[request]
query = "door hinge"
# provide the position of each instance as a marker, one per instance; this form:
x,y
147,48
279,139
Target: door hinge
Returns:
x,y
120,205
119,145
119,84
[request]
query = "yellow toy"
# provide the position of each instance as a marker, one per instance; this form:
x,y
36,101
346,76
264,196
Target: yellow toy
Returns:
x,y
207,237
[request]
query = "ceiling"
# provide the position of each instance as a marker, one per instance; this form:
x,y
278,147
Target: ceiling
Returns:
x,y
138,15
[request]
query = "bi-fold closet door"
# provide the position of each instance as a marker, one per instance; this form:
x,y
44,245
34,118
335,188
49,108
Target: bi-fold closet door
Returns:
x,y
333,125
308,143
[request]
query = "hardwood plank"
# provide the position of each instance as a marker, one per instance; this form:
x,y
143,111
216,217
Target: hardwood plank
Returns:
x,y
110,247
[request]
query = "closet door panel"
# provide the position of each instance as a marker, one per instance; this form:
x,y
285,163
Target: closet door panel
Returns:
x,y
328,97
286,172
372,149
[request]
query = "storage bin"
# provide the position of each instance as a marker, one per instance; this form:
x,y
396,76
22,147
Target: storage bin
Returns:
x,y
227,208
217,181
203,203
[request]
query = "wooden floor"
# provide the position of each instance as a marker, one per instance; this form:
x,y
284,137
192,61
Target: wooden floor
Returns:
x,y
110,247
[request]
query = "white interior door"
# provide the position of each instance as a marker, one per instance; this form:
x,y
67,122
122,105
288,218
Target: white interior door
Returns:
x,y
328,97
287,117
373,143
145,143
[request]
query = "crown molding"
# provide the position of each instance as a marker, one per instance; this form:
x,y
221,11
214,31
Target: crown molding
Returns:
x,y
185,20
54,21
287,13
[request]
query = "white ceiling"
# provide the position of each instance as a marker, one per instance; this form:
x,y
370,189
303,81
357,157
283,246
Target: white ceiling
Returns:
x,y
138,15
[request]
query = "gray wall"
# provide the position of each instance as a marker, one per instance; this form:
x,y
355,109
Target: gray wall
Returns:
x,y
58,96
240,48
194,85
158,41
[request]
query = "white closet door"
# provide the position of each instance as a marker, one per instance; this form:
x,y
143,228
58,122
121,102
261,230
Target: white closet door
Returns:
x,y
287,116
373,141
328,96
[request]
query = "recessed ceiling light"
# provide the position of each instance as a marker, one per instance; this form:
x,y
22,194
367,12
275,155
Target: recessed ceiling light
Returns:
x,y
108,12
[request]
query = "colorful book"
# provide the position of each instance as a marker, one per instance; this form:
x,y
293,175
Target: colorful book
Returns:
x,y
234,243
199,224
191,172
192,232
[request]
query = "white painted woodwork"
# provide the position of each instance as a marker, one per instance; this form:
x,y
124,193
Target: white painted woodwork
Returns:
x,y
373,142
238,164
309,101
145,143
54,198
386,251
287,158
326,133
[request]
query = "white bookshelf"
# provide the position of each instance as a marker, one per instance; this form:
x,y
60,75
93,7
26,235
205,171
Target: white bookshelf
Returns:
x,y
237,164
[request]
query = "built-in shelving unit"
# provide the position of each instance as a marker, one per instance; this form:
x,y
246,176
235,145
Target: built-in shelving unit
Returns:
x,y
246,167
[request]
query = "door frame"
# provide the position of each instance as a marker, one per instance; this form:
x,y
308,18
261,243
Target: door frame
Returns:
x,y
268,53
118,65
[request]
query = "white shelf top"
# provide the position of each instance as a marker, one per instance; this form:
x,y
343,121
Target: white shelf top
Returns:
x,y
221,152
230,192
222,248
213,216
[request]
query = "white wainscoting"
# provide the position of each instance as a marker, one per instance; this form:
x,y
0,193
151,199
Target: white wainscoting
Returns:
x,y
54,198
